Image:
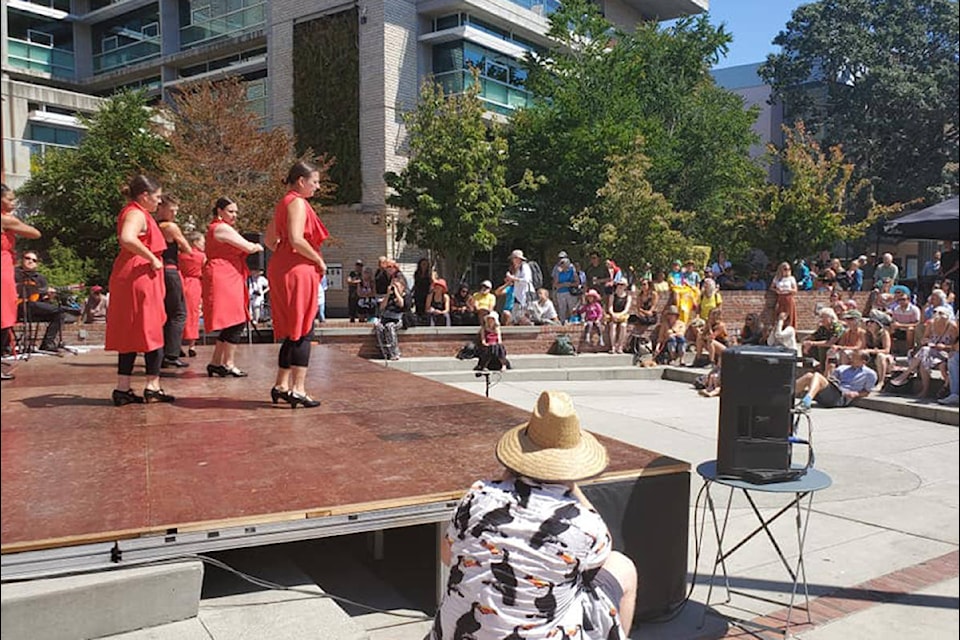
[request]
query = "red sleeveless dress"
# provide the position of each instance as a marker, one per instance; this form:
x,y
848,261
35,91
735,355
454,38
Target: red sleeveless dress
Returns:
x,y
191,272
225,298
294,280
136,314
8,284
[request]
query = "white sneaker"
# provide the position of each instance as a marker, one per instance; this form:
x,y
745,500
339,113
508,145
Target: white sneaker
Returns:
x,y
951,400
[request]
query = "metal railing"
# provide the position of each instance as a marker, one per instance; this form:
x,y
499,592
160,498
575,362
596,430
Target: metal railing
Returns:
x,y
221,26
499,96
40,57
126,54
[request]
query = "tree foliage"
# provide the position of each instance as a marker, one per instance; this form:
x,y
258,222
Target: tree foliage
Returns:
x,y
76,193
881,78
454,187
217,148
599,89
632,221
818,207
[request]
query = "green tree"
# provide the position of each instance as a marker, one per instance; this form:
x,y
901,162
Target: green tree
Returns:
x,y
881,78
64,267
817,208
598,90
454,187
76,193
217,148
632,221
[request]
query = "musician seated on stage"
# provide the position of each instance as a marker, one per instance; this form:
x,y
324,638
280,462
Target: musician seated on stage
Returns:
x,y
39,301
529,556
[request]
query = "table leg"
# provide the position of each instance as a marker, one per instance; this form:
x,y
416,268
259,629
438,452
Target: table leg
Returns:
x,y
802,520
719,532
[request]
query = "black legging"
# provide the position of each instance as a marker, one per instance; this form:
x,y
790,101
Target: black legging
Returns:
x,y
176,308
152,360
232,334
294,353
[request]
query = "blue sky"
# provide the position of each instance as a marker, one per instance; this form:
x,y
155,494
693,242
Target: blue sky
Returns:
x,y
754,24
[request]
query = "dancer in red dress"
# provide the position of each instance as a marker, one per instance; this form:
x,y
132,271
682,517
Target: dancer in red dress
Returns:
x,y
191,270
226,306
12,227
136,316
295,235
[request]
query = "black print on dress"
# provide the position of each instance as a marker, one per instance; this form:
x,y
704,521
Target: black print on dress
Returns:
x,y
461,518
546,604
515,635
456,574
551,528
505,580
559,633
522,491
492,521
467,624
588,580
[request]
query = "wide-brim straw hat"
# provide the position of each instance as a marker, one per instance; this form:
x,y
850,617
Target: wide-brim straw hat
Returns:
x,y
551,446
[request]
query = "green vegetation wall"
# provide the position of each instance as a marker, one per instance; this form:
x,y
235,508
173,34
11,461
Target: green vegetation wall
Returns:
x,y
326,96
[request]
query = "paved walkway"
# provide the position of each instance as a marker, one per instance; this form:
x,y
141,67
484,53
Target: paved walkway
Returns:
x,y
882,548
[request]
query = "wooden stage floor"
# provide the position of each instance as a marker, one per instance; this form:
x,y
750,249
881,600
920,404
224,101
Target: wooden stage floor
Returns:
x,y
77,470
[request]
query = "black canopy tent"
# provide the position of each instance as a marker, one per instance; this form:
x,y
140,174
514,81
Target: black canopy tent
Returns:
x,y
939,222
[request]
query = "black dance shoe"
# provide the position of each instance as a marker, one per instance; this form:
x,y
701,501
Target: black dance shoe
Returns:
x,y
121,398
277,395
296,399
233,371
216,369
170,363
151,396
191,353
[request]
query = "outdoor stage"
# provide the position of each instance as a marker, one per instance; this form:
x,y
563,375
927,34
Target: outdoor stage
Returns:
x,y
86,484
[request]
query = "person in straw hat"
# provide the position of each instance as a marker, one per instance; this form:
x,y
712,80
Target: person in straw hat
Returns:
x,y
528,554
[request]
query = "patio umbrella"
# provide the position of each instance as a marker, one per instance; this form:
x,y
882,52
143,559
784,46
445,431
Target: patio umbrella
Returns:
x,y
939,222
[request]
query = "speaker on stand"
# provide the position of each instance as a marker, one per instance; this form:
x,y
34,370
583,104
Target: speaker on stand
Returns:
x,y
756,422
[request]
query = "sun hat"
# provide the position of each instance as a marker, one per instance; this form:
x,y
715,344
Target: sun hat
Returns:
x,y
359,261
440,282
487,284
900,289
672,310
562,254
517,253
880,317
621,283
492,315
551,446
96,288
593,293
853,314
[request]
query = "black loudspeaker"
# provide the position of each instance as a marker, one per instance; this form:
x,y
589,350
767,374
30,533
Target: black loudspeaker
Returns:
x,y
256,260
756,396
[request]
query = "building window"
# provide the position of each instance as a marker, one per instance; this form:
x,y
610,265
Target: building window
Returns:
x,y
209,20
53,135
502,78
131,38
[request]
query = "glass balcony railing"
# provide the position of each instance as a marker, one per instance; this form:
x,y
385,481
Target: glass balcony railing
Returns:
x,y
126,54
38,57
205,29
540,7
497,96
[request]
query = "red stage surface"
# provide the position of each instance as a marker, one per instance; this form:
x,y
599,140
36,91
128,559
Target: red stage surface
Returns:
x,y
77,470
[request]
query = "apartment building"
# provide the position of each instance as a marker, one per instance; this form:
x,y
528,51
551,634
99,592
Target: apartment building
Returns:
x,y
60,57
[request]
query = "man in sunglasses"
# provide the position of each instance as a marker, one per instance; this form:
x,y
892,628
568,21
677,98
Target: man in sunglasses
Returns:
x,y
38,301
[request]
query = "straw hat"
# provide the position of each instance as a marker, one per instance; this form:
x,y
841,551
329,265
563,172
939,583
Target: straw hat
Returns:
x,y
551,446
853,314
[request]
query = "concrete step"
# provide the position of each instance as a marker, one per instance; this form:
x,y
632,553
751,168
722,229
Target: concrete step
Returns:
x,y
519,362
549,374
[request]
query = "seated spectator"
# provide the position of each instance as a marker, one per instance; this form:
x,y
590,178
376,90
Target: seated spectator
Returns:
x,y
905,316
712,338
95,308
855,276
752,331
886,294
491,351
878,343
646,307
953,367
484,301
755,282
529,556
710,383
947,287
669,341
660,283
368,304
887,269
845,384
852,339
505,293
720,265
826,334
592,315
40,303
462,311
783,335
437,303
730,281
542,310
827,281
938,343
618,311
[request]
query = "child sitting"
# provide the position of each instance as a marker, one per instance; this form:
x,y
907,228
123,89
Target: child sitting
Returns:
x,y
592,314
491,352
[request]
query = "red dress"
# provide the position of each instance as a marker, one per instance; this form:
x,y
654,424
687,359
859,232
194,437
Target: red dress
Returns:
x,y
136,314
191,271
8,284
294,280
225,298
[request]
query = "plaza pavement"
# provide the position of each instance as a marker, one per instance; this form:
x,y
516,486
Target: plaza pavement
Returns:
x,y
882,546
